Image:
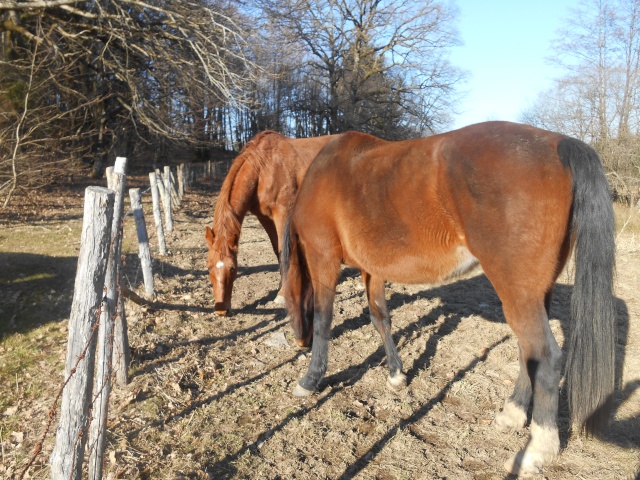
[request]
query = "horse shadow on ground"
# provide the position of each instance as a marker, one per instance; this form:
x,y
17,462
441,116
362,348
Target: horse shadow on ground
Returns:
x,y
457,300
274,320
349,377
622,433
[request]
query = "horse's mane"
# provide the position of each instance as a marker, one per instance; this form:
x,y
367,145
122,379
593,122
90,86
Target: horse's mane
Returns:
x,y
226,222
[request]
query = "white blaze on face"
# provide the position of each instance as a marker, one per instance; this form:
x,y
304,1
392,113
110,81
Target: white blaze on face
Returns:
x,y
220,264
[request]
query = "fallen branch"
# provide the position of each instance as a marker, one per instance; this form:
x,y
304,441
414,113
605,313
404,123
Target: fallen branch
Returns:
x,y
134,297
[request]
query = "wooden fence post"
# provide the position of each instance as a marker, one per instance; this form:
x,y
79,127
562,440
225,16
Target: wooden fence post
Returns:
x,y
143,241
181,181
168,171
157,214
108,172
168,219
71,435
121,352
189,176
160,184
168,184
97,437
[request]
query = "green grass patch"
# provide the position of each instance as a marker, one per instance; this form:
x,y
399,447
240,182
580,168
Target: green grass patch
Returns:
x,y
23,359
27,278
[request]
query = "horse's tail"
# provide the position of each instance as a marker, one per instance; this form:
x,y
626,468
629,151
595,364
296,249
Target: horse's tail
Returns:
x,y
298,289
590,368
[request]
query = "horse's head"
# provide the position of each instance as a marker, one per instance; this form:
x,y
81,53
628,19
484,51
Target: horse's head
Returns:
x,y
222,263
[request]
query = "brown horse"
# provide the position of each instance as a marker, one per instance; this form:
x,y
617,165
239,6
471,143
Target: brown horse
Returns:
x,y
263,180
512,197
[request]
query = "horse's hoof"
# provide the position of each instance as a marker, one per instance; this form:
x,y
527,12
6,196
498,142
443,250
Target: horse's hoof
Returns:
x,y
512,417
523,465
542,448
301,391
279,300
397,382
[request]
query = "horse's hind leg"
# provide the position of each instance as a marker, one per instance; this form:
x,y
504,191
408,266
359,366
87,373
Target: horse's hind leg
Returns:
x,y
380,319
540,358
514,414
324,272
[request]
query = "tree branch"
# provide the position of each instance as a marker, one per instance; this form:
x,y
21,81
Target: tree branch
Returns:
x,y
36,4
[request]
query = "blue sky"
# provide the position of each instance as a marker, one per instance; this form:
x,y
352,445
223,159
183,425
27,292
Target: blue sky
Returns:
x,y
506,46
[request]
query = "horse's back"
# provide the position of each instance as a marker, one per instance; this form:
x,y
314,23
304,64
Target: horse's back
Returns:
x,y
419,210
283,163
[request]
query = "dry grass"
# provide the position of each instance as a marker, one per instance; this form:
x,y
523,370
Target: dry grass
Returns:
x,y
210,397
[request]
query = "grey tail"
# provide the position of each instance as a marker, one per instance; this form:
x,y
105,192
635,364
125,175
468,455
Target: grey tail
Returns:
x,y
590,367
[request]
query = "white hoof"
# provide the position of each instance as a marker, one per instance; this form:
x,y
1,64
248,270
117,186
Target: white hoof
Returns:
x,y
301,391
397,382
542,448
524,465
512,417
279,300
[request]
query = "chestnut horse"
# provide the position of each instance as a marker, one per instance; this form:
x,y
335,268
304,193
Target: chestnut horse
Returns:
x,y
263,179
511,197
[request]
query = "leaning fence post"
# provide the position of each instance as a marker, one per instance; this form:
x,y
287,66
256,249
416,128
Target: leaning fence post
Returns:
x,y
121,352
157,215
168,220
102,390
121,349
143,241
71,435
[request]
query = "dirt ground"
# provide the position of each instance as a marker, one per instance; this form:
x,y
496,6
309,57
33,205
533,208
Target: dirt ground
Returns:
x,y
210,397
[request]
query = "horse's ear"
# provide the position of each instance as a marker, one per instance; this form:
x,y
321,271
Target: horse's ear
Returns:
x,y
208,235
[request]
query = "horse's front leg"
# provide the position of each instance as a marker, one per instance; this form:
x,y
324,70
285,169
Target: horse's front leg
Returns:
x,y
279,221
324,274
380,318
274,230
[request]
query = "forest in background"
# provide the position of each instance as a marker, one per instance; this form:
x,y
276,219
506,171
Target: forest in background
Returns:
x,y
84,81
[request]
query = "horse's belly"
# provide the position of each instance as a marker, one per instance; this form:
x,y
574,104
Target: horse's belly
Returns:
x,y
435,266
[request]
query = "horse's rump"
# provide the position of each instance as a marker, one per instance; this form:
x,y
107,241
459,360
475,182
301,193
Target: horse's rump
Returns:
x,y
419,210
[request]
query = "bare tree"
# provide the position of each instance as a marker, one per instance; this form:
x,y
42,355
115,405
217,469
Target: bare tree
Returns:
x,y
112,69
374,58
600,51
598,98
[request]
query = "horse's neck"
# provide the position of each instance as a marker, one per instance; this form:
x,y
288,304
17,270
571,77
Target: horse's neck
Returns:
x,y
241,196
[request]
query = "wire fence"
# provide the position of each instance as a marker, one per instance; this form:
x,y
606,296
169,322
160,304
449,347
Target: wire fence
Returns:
x,y
98,349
